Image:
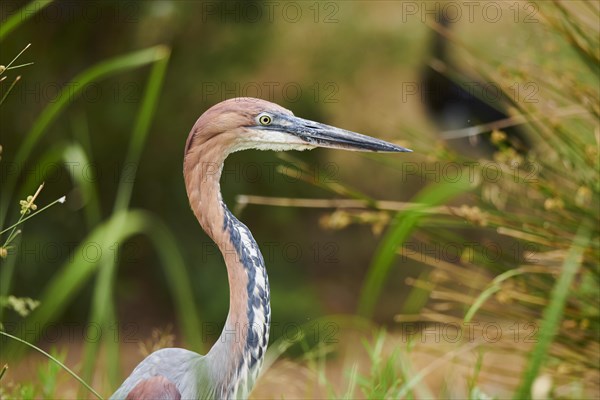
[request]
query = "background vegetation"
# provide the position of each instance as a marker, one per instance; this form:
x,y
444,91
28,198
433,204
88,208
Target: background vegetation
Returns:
x,y
370,281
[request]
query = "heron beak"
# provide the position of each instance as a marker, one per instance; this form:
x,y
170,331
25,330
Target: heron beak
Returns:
x,y
323,135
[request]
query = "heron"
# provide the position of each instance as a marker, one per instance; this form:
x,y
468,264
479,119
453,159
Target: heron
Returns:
x,y
230,368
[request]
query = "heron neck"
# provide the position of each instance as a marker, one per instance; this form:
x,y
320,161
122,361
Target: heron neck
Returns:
x,y
238,353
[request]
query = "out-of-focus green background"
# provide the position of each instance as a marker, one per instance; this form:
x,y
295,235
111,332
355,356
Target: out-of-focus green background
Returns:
x,y
353,64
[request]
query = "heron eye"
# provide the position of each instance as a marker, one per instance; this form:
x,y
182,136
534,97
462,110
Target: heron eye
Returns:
x,y
265,119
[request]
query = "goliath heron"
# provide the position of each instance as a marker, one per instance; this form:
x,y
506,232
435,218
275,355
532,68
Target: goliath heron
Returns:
x,y
231,367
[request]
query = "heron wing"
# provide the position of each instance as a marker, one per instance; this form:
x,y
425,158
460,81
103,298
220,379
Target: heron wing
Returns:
x,y
172,374
157,387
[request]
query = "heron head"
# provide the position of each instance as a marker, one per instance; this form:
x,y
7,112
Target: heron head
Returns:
x,y
248,123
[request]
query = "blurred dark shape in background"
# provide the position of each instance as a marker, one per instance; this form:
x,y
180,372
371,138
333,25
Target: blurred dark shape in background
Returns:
x,y
455,101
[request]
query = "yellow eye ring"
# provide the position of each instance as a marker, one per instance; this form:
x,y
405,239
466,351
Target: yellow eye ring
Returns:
x,y
265,119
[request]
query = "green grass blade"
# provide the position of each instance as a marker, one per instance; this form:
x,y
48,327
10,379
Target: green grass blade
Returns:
x,y
63,366
75,157
352,379
97,72
22,15
416,379
102,304
401,227
178,281
103,312
489,291
553,313
142,125
407,373
73,275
